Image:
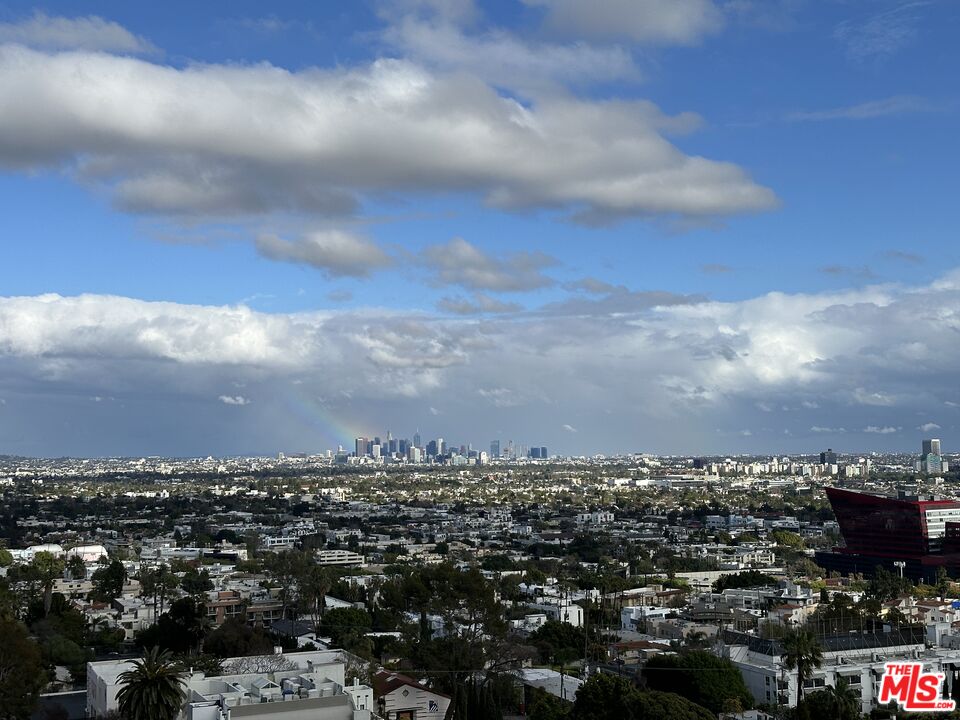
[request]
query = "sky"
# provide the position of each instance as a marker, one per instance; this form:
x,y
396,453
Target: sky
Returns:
x,y
669,226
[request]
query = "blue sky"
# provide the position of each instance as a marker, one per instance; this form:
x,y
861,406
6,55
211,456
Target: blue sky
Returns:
x,y
685,226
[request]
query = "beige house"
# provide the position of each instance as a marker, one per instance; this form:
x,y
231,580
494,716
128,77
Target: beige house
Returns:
x,y
402,698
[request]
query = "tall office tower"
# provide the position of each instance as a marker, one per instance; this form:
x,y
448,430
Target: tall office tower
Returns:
x,y
534,453
393,445
543,453
360,446
376,440
828,457
413,454
441,447
931,447
375,451
389,436
402,446
432,448
494,449
369,447
417,439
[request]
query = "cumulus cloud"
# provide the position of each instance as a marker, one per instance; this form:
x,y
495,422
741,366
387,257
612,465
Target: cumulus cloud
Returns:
x,y
569,428
216,140
336,253
635,372
460,263
505,60
661,22
86,33
928,426
234,400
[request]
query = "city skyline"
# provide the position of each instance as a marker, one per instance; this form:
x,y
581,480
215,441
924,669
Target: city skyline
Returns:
x,y
668,226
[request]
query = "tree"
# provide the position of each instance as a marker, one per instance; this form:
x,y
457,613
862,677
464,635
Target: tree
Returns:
x,y
48,568
606,696
699,676
153,689
347,628
656,705
558,642
21,671
801,652
943,582
196,582
840,702
6,559
108,582
76,567
180,630
745,579
544,706
235,638
314,584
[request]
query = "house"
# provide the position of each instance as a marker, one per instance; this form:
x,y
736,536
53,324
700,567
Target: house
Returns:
x,y
402,698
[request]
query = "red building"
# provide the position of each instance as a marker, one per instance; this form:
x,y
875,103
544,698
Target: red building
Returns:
x,y
923,533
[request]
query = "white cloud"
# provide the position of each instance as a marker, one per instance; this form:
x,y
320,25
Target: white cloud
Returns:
x,y
626,374
928,426
86,33
569,428
882,34
460,263
220,141
234,400
481,303
501,397
505,60
866,397
896,105
335,252
661,22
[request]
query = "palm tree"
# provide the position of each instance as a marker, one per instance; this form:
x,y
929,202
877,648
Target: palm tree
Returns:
x,y
844,700
801,652
153,689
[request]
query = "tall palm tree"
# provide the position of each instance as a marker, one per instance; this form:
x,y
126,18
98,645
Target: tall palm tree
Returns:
x,y
153,689
845,701
801,652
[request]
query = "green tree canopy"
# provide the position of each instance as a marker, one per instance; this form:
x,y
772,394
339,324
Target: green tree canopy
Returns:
x,y
108,581
699,676
234,638
153,689
22,674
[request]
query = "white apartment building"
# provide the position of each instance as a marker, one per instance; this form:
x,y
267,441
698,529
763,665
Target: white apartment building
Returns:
x,y
858,658
343,558
312,689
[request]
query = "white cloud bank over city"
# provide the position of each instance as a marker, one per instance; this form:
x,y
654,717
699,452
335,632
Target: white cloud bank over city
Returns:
x,y
214,140
690,376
